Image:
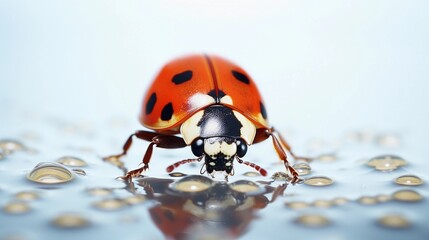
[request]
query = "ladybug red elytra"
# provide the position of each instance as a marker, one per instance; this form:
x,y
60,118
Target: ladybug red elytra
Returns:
x,y
217,109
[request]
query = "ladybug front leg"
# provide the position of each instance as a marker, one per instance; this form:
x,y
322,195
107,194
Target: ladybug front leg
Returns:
x,y
155,139
288,148
264,133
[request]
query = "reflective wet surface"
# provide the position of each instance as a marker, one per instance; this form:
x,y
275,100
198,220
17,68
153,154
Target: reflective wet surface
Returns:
x,y
44,196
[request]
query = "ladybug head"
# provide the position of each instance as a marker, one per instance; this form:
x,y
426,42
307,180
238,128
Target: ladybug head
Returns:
x,y
219,153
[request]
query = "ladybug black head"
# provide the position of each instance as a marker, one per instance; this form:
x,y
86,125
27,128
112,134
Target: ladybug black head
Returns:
x,y
219,152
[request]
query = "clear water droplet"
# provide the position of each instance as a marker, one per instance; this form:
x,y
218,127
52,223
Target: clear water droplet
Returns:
x,y
302,168
383,198
322,203
386,163
297,205
99,191
70,221
110,204
244,186
27,196
9,146
389,140
177,174
366,200
281,176
79,171
340,201
50,173
16,208
135,199
252,174
394,221
409,180
318,181
327,158
407,196
72,161
192,184
313,220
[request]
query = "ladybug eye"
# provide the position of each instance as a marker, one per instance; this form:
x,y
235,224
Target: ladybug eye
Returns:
x,y
241,147
197,147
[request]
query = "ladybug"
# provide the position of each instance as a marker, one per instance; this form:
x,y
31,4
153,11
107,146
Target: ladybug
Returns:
x,y
216,108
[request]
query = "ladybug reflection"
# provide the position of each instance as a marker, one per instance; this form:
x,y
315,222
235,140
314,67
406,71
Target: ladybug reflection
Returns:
x,y
216,209
216,108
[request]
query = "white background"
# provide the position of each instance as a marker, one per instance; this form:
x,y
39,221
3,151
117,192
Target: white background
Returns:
x,y
322,66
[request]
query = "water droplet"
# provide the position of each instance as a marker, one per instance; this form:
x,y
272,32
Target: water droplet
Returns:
x,y
340,201
27,196
394,221
302,168
327,158
177,174
318,181
99,191
134,200
365,136
72,161
366,200
252,174
407,196
79,171
70,221
244,186
297,205
383,198
386,163
281,176
409,180
313,220
192,184
389,140
50,173
110,204
9,146
16,208
114,160
322,203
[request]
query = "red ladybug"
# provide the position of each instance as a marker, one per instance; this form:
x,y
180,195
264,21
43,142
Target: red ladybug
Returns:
x,y
217,109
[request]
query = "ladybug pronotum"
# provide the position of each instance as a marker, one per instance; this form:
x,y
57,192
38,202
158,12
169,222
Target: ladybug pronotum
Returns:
x,y
215,107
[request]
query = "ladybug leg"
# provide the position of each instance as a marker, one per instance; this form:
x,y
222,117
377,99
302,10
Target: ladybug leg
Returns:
x,y
155,139
288,148
144,135
264,133
262,171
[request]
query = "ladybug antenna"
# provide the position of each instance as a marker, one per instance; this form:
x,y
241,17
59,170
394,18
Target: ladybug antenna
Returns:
x,y
258,168
177,164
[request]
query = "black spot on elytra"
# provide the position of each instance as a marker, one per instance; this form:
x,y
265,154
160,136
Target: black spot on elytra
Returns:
x,y
182,77
167,112
150,103
263,110
241,77
216,95
169,215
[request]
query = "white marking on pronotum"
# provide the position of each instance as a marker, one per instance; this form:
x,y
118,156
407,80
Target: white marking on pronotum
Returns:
x,y
226,100
189,128
248,130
